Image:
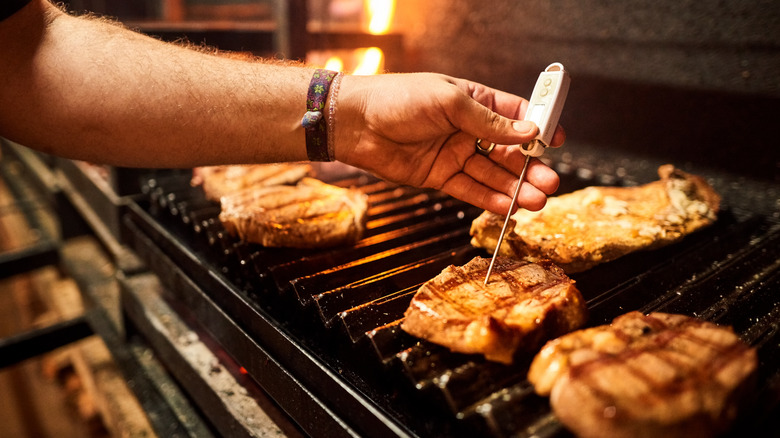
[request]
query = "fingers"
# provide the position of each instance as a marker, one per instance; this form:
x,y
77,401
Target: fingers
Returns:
x,y
559,137
490,186
511,158
496,116
474,118
466,188
498,178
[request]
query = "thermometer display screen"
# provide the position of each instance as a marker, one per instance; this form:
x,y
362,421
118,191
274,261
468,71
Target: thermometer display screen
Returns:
x,y
536,113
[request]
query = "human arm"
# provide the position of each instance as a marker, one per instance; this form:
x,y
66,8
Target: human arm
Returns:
x,y
87,89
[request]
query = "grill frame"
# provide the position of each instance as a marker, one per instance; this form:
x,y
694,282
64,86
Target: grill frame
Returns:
x,y
377,397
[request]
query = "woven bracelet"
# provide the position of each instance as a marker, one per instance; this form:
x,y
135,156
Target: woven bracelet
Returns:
x,y
313,121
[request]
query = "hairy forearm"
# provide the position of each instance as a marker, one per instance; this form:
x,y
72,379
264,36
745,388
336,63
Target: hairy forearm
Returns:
x,y
97,92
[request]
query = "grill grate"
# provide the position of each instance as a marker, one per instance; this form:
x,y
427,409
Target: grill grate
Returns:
x,y
345,304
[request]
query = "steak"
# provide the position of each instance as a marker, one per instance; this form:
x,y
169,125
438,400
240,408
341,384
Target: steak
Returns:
x,y
646,375
311,214
218,181
594,225
522,306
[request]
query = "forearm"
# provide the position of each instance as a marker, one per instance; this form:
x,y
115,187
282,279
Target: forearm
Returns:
x,y
90,90
105,94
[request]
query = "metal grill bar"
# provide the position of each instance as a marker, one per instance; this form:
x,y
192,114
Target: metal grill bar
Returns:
x,y
351,300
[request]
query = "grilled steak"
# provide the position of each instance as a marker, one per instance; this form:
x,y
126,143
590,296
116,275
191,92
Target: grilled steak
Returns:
x,y
311,214
598,224
656,375
523,305
218,181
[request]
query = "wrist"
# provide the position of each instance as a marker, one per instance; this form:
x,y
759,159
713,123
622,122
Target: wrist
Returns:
x,y
348,118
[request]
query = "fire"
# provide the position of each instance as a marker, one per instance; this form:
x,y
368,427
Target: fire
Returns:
x,y
370,63
380,14
334,63
366,61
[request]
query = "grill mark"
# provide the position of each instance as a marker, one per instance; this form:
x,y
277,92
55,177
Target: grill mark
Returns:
x,y
459,278
687,380
657,392
271,174
310,198
475,276
247,205
251,176
302,211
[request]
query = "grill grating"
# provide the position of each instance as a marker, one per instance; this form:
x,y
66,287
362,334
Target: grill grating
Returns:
x,y
727,273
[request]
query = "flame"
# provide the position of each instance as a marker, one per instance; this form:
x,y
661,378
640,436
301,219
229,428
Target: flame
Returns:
x,y
381,15
334,63
370,62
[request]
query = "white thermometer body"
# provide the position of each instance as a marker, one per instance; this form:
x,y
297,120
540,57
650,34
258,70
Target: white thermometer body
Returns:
x,y
545,106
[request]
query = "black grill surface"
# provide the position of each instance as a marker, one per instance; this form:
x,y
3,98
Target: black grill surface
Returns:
x,y
331,317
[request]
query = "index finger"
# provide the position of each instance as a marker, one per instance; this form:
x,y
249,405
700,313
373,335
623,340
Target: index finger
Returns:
x,y
501,102
505,104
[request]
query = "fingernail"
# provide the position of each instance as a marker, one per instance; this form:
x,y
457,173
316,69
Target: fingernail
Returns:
x,y
523,126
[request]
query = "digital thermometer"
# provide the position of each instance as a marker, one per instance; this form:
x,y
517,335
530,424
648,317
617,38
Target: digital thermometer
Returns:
x,y
545,106
544,109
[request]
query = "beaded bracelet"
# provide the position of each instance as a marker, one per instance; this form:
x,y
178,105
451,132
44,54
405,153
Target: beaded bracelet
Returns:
x,y
334,94
317,145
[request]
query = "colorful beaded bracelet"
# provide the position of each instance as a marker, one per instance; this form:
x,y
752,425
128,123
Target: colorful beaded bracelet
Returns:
x,y
317,147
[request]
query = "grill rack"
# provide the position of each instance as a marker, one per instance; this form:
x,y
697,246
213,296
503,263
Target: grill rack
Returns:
x,y
340,309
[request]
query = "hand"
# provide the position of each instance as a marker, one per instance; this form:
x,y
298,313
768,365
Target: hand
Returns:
x,y
420,129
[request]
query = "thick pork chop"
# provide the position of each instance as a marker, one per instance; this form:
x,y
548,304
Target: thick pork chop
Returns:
x,y
523,305
311,214
656,375
594,225
219,181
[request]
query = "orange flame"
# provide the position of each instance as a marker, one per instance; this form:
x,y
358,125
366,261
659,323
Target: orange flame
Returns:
x,y
367,61
334,63
370,63
380,13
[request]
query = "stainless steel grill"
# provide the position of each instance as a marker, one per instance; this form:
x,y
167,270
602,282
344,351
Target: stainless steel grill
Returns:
x,y
330,318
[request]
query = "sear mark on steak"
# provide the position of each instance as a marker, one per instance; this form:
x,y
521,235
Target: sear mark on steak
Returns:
x,y
219,181
311,214
523,305
656,375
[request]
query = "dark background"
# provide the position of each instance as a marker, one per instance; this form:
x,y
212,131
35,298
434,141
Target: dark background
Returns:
x,y
684,81
690,82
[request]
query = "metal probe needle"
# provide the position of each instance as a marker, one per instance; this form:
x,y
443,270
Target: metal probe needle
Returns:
x,y
508,214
